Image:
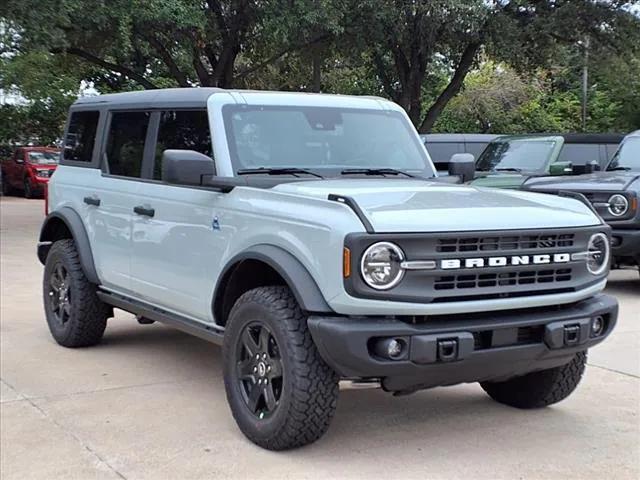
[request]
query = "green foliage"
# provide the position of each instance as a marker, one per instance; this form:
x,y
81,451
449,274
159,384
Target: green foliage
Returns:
x,y
454,65
496,99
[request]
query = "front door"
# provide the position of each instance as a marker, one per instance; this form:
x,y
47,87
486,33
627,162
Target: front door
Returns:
x,y
177,238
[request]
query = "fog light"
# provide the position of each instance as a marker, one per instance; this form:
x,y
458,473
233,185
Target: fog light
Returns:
x,y
391,348
597,326
394,348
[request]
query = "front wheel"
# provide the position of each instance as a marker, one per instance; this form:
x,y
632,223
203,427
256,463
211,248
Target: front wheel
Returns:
x,y
28,189
539,389
280,391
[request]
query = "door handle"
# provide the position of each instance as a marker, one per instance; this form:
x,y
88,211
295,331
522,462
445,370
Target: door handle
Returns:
x,y
146,211
92,201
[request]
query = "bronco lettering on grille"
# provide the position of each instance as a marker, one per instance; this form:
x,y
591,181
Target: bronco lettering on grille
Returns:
x,y
452,264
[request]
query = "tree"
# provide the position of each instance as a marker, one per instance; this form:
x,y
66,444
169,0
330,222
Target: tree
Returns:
x,y
416,52
407,38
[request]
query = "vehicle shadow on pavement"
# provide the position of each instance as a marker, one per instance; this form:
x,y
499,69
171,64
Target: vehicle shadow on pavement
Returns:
x,y
629,286
415,421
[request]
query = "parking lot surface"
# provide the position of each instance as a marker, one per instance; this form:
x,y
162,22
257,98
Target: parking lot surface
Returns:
x,y
149,403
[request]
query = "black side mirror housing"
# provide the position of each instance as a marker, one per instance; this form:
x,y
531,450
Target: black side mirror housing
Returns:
x,y
463,165
591,167
186,167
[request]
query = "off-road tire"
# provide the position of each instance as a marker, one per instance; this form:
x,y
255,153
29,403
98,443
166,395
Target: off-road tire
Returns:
x,y
539,389
309,392
88,315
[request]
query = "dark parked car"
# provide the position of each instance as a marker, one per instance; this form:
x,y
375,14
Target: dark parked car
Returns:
x,y
28,170
614,193
442,146
509,161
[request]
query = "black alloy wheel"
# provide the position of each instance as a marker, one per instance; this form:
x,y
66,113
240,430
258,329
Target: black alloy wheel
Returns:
x,y
259,369
60,293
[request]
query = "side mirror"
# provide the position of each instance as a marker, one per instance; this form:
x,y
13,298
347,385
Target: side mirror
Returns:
x,y
591,167
561,168
462,165
19,160
185,167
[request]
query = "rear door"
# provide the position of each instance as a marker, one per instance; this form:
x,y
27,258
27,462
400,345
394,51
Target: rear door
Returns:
x,y
176,249
112,202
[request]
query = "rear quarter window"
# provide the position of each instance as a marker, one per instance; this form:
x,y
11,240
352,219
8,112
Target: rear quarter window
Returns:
x,y
81,136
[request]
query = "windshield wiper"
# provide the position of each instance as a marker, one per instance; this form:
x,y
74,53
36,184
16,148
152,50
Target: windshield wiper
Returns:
x,y
277,171
626,169
508,169
375,171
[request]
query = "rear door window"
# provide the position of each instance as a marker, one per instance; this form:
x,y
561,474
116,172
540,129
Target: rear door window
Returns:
x,y
182,130
580,153
441,152
81,136
125,144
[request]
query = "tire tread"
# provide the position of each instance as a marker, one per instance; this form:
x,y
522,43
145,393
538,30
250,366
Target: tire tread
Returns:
x,y
539,389
315,385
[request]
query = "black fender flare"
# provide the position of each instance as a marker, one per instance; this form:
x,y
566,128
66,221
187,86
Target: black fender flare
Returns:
x,y
297,277
74,224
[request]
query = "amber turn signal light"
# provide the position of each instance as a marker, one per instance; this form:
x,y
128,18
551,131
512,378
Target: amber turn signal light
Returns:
x,y
346,262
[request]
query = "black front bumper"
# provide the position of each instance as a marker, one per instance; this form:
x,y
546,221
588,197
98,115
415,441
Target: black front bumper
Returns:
x,y
462,348
625,245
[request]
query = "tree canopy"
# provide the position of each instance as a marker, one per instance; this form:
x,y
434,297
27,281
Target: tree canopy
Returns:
x,y
454,65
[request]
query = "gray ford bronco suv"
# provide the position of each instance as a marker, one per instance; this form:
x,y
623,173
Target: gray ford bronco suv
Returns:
x,y
614,193
302,232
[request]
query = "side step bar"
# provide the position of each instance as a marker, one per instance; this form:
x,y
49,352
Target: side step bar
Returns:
x,y
181,323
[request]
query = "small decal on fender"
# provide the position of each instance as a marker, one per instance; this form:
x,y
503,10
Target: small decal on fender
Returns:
x,y
215,225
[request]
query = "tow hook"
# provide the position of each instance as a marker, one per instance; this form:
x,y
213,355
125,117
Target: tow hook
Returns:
x,y
447,350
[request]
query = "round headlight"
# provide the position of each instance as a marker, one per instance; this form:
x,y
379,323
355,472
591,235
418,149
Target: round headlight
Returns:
x,y
380,265
598,253
618,205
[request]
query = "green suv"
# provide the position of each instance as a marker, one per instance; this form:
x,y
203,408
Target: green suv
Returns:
x,y
509,161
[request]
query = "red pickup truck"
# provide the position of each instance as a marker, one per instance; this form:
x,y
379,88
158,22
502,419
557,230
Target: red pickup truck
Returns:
x,y
28,170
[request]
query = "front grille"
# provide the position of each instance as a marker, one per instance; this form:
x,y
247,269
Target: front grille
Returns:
x,y
498,243
483,280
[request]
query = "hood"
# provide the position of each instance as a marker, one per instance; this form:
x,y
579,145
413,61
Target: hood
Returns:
x,y
594,182
420,206
500,180
43,166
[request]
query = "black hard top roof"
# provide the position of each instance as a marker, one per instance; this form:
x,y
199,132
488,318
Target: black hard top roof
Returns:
x,y
585,138
458,137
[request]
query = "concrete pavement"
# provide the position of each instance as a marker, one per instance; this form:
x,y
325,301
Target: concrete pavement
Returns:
x,y
149,403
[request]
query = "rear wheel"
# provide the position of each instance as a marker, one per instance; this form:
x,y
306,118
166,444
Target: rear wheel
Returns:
x,y
539,389
281,393
75,314
6,188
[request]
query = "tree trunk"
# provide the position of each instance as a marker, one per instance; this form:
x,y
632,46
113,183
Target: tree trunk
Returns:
x,y
316,82
465,64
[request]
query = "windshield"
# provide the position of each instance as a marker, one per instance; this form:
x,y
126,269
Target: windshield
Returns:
x,y
44,158
322,139
627,156
516,155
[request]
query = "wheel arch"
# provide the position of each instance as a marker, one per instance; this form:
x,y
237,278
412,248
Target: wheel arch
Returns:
x,y
264,265
66,223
